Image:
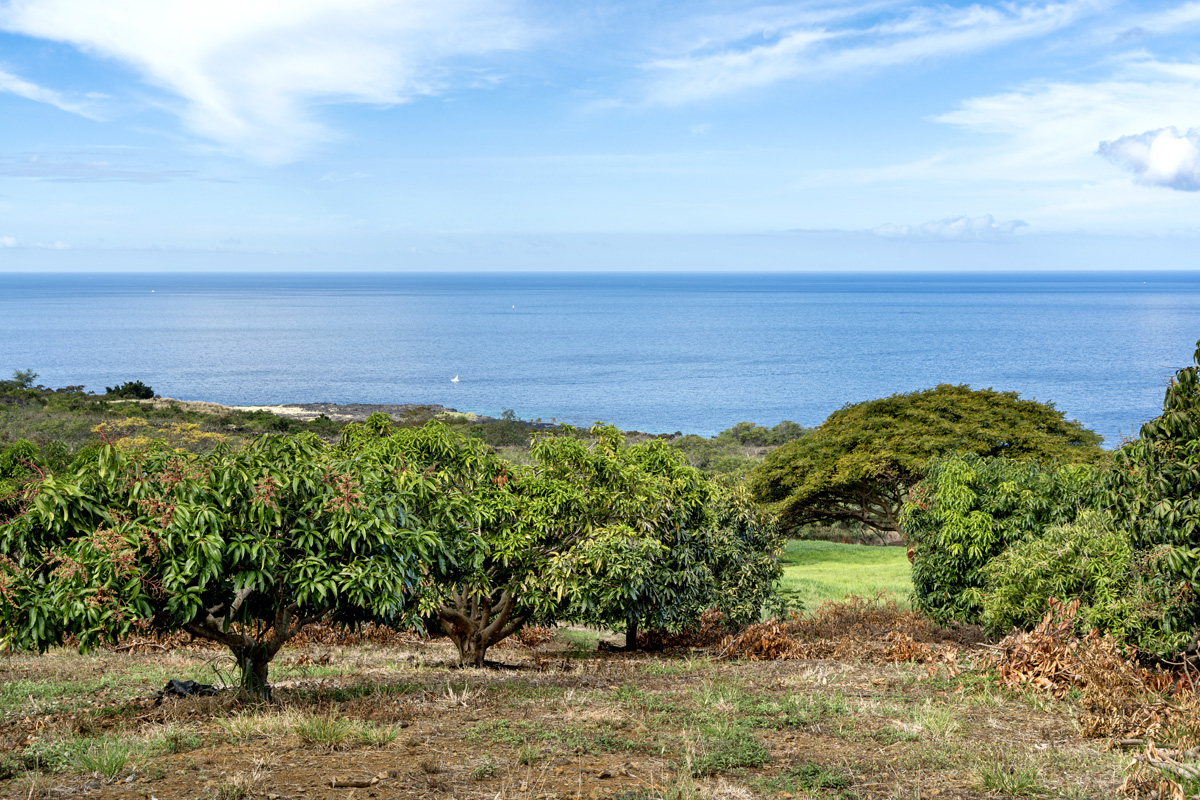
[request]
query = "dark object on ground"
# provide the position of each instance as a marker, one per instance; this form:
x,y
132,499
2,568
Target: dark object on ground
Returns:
x,y
176,688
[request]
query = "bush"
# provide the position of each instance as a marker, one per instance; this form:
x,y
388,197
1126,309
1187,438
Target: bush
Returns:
x,y
969,509
1087,560
1152,492
131,390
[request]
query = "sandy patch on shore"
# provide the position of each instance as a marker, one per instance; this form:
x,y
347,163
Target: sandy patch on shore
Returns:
x,y
342,412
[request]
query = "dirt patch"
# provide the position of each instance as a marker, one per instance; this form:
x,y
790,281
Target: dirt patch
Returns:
x,y
382,720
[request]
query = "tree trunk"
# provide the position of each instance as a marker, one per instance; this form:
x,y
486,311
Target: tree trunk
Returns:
x,y
253,663
631,635
476,622
253,657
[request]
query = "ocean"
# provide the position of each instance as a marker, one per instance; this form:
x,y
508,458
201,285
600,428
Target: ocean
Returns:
x,y
654,352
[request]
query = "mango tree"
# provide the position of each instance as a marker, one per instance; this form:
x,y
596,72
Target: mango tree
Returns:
x,y
968,509
242,548
701,545
1153,494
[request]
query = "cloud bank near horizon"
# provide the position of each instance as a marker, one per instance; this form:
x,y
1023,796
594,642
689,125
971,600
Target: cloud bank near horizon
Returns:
x,y
954,229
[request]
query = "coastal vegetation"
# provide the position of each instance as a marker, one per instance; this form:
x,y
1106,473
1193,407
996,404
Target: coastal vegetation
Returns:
x,y
860,464
1081,566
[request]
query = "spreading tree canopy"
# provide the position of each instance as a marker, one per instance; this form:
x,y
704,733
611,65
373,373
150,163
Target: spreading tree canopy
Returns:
x,y
594,531
859,464
242,548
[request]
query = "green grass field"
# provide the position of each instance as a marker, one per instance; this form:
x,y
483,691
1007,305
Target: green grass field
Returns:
x,y
814,572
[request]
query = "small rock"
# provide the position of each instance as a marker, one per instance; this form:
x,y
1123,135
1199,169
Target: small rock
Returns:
x,y
602,774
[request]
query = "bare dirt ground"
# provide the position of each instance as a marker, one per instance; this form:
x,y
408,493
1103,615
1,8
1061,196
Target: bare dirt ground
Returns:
x,y
560,720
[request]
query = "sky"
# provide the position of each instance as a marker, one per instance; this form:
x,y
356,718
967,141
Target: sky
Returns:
x,y
609,135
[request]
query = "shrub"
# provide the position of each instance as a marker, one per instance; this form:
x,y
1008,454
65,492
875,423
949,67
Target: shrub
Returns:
x,y
969,509
1152,492
1087,560
133,390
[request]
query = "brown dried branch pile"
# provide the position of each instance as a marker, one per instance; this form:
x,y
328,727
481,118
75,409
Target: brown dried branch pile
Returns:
x,y
709,632
872,629
1119,697
530,636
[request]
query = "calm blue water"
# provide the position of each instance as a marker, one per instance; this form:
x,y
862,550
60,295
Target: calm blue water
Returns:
x,y
659,352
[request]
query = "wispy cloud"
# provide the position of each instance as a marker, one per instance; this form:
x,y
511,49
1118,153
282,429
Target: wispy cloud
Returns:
x,y
954,229
808,49
13,84
77,170
247,75
1164,157
8,241
1050,131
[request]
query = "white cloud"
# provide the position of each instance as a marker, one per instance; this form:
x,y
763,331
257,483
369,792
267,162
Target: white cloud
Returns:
x,y
248,74
817,50
7,241
956,229
31,91
1048,131
1164,157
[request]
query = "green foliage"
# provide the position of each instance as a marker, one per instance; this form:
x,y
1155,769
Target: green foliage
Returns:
x,y
243,548
1153,493
744,556
643,561
18,465
1087,560
131,390
969,509
737,450
683,544
860,463
23,378
816,572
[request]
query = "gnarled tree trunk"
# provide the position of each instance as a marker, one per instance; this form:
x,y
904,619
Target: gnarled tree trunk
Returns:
x,y
476,622
253,657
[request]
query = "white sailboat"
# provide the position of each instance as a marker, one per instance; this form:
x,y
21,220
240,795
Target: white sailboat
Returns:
x,y
454,379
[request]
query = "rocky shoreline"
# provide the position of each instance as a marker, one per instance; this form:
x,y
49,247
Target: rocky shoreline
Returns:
x,y
341,412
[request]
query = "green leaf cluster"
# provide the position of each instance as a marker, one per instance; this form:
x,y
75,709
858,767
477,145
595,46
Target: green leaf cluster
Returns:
x,y
968,509
859,464
1153,494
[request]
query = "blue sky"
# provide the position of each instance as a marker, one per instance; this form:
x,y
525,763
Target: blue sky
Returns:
x,y
461,134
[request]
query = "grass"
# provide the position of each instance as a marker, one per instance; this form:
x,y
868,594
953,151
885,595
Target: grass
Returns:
x,y
655,727
727,747
814,572
808,777
108,757
327,731
1009,780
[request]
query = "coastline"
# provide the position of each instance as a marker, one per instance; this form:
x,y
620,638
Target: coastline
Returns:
x,y
306,412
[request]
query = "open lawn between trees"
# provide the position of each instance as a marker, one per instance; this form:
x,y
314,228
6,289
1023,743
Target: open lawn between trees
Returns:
x,y
815,572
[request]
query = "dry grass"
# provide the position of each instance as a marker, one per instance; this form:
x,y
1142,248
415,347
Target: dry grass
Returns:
x,y
552,723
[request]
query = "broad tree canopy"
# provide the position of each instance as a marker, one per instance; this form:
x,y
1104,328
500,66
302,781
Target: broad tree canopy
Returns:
x,y
859,464
243,548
